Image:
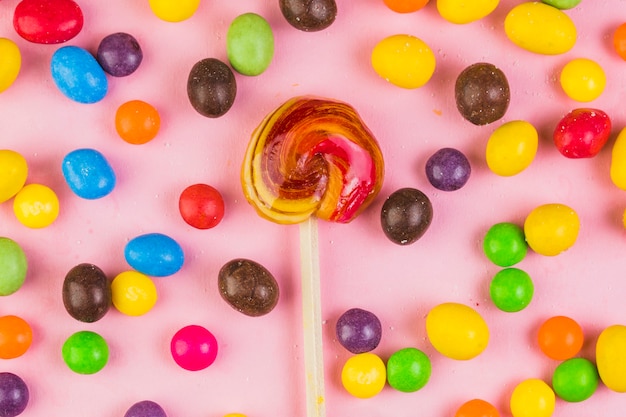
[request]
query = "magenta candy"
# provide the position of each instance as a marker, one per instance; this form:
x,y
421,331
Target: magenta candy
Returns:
x,y
14,395
359,330
194,348
48,21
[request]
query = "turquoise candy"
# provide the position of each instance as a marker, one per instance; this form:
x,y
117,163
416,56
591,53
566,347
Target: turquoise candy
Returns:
x,y
250,44
88,173
154,254
13,266
78,75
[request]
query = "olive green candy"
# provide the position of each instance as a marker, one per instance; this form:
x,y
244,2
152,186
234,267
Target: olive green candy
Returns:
x,y
248,287
86,293
13,266
211,87
250,44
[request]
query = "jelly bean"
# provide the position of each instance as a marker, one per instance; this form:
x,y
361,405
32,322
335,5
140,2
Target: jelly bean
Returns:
x,y
364,375
562,4
358,330
16,337
13,266
14,395
504,244
511,148
403,60
85,352
582,79
406,215
77,74
36,206
145,408
448,169
575,380
119,54
482,93
611,357
88,174
133,293
532,398
10,64
154,254
194,348
560,337
48,21
248,287
618,160
405,6
511,290
201,206
477,408
551,229
250,44
13,173
174,10
137,122
582,133
540,28
462,11
619,41
86,293
309,15
457,331
211,87
408,370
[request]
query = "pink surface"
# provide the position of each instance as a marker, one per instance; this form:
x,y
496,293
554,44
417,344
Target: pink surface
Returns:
x,y
259,368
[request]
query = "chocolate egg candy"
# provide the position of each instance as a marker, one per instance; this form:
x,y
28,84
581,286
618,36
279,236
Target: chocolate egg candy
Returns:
x,y
211,87
482,93
406,215
119,54
309,15
248,287
86,293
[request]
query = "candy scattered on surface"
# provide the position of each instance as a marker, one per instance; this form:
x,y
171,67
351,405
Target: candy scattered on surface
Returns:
x,y
477,408
119,54
194,348
133,293
619,41
154,254
461,11
364,375
583,79
532,398
174,10
448,169
85,352
13,173
36,206
482,93
560,337
248,287
10,64
505,244
201,206
48,21
511,290
618,160
404,60
250,44
145,408
611,357
408,370
211,87
405,6
575,380
562,4
16,336
88,173
78,75
551,228
511,148
86,293
309,15
582,133
137,122
14,395
406,215
13,266
358,330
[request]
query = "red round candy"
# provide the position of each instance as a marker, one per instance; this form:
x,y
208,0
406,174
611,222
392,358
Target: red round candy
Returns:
x,y
47,21
201,206
582,133
194,348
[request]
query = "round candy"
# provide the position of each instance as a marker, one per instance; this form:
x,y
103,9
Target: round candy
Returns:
x,y
482,93
88,174
36,206
248,287
462,11
250,44
211,87
194,348
404,60
406,215
86,293
611,357
477,408
358,330
201,206
619,41
145,408
532,398
85,352
551,229
582,133
511,148
13,173
575,379
16,337
154,254
583,79
405,6
13,266
14,395
448,169
364,375
511,290
174,10
10,64
48,21
235,415
560,337
309,15
119,54
505,244
137,122
618,160
562,4
133,293
408,370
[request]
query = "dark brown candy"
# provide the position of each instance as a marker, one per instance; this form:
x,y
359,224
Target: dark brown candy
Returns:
x,y
482,93
211,87
86,293
309,15
248,287
406,215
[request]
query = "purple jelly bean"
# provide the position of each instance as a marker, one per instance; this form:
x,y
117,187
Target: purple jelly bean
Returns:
x,y
359,330
145,408
119,54
448,169
13,395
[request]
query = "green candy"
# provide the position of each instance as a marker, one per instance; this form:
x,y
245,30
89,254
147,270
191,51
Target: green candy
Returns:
x,y
408,370
13,266
505,244
575,380
85,352
511,290
250,44
562,4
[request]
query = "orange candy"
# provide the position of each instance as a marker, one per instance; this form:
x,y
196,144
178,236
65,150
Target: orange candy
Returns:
x,y
477,408
15,337
560,338
619,40
137,122
405,6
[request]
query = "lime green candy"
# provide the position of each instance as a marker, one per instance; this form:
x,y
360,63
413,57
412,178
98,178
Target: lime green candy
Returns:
x,y
85,352
505,244
408,370
250,44
13,266
511,290
562,4
575,379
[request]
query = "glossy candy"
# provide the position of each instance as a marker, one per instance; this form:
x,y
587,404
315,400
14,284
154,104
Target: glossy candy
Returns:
x,y
174,10
448,169
250,44
403,60
551,228
145,408
86,293
36,206
10,64
13,173
48,21
194,348
619,41
14,395
405,6
364,375
618,160
408,370
88,173
201,206
77,74
560,338
562,4
137,122
312,156
611,357
511,148
13,266
582,133
511,290
358,330
309,15
575,380
482,93
16,337
582,79
133,293
85,352
406,215
119,54
532,398
154,254
477,408
504,244
462,11
211,87
248,287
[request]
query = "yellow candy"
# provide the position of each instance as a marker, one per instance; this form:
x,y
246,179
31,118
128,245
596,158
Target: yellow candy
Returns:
x,y
10,63
532,398
611,357
512,148
174,10
465,11
618,161
551,229
235,415
404,60
583,79
457,331
540,28
133,293
364,375
36,206
13,173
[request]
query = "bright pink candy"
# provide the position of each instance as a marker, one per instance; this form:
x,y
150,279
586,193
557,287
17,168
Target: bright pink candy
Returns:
x,y
194,348
48,21
582,133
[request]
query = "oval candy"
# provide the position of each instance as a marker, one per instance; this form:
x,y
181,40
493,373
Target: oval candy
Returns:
x,y
88,173
611,357
174,10
618,160
211,87
10,63
86,293
463,11
250,44
511,148
406,215
13,173
404,60
482,93
13,266
78,75
48,21
154,254
309,15
248,287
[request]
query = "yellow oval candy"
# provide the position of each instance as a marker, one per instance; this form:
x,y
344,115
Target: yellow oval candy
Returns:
x,y
618,161
13,173
551,229
10,63
465,11
174,10
611,357
404,60
511,148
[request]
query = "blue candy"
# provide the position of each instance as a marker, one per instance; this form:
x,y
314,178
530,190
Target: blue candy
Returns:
x,y
78,75
154,254
88,173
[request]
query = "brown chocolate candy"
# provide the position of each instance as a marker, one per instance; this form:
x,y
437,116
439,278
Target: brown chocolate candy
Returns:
x,y
406,215
211,87
86,293
482,93
248,287
309,15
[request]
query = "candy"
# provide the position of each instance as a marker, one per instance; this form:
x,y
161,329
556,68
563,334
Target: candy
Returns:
x,y
13,266
119,54
48,21
154,254
86,293
145,408
462,11
309,15
194,348
511,290
88,174
582,79
358,330
10,64
611,357
540,28
477,408
133,293
85,352
618,160
250,44
201,206
77,74
248,287
560,337
174,10
312,156
448,169
408,370
405,6
504,244
532,398
575,380
511,148
619,41
404,60
364,375
13,173
137,122
16,337
582,133
406,215
457,331
36,206
551,228
482,93
211,87
562,4
14,395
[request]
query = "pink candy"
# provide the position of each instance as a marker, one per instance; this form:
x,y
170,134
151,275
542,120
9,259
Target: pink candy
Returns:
x,y
194,348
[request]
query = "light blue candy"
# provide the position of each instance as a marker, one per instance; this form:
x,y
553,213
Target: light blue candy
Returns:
x,y
78,75
88,173
154,254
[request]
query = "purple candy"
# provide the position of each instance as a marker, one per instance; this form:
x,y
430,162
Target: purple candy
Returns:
x,y
448,169
119,54
359,330
145,408
13,395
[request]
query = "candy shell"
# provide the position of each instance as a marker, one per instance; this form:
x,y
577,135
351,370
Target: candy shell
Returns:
x,y
154,254
119,54
13,266
10,63
194,348
13,173
611,357
248,287
482,93
88,174
250,44
406,215
78,75
463,11
174,10
211,87
511,148
16,337
364,375
309,15
86,293
48,21
618,160
145,408
14,395
403,60
85,352
36,206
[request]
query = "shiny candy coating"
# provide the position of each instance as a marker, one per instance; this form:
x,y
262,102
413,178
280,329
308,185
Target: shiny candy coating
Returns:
x,y
137,122
560,338
154,254
201,206
619,41
250,44
36,206
618,160
211,87
309,15
448,169
312,156
358,330
582,79
575,379
48,21
462,11
13,173
406,215
403,60
145,408
85,352
13,266
86,293
511,290
88,173
10,64
77,74
133,293
482,93
551,228
194,348
364,375
477,408
532,398
562,4
504,244
582,133
16,337
408,370
611,357
174,10
405,6
248,287
511,148
119,54
14,395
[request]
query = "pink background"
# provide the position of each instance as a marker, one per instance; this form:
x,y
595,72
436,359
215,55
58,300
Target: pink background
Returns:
x,y
259,369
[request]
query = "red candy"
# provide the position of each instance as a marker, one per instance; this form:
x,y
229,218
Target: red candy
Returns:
x,y
201,206
48,21
582,133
